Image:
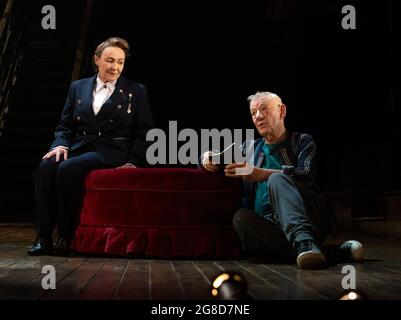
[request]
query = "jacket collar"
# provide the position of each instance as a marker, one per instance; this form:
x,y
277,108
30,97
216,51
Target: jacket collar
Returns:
x,y
100,84
110,104
285,151
113,101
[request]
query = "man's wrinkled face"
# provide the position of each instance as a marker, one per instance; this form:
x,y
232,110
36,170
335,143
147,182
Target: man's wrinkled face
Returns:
x,y
110,63
267,114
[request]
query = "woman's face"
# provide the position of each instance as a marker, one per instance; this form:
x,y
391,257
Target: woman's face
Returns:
x,y
110,64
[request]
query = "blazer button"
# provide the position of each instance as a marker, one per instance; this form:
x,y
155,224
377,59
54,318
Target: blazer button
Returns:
x,y
78,118
119,106
100,133
111,120
84,133
79,101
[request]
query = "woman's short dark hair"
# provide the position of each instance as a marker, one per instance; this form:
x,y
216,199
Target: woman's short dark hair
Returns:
x,y
111,42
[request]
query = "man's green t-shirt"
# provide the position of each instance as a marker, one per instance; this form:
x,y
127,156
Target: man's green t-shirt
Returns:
x,y
272,160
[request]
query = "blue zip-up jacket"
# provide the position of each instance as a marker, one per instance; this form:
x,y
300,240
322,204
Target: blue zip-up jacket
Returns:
x,y
298,155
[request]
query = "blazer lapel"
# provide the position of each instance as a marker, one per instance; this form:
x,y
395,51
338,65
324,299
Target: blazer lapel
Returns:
x,y
116,100
87,97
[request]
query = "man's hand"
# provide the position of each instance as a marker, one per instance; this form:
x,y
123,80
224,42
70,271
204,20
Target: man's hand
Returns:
x,y
207,163
127,165
57,151
247,172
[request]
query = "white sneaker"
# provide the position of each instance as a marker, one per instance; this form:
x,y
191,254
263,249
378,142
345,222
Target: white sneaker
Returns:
x,y
351,250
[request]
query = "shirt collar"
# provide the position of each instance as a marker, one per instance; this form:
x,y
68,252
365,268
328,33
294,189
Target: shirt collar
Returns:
x,y
100,84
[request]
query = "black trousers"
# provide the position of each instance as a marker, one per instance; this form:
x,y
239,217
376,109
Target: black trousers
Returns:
x,y
298,214
59,190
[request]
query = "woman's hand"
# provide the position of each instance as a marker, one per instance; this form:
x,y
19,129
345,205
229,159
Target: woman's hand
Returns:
x,y
247,172
57,151
207,163
127,165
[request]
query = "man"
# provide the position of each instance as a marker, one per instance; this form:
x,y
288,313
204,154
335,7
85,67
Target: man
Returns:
x,y
284,213
103,125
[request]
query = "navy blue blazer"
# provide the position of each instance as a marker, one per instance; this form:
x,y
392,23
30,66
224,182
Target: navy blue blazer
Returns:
x,y
119,129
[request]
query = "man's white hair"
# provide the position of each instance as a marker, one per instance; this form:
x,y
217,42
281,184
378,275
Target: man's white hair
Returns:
x,y
262,94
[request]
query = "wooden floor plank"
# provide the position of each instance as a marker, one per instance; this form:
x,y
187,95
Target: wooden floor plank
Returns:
x,y
7,233
164,283
134,284
12,249
69,287
286,284
21,276
104,283
12,268
139,279
325,283
257,286
209,269
195,286
22,234
33,289
373,281
6,262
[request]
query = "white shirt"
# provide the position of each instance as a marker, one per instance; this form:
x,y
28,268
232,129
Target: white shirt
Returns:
x,y
102,92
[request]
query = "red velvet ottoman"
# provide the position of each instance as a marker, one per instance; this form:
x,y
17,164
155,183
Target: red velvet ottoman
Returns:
x,y
158,212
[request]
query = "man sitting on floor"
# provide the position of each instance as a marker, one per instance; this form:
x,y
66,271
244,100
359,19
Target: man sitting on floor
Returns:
x,y
284,214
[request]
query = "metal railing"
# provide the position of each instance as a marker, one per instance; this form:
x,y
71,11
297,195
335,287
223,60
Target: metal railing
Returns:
x,y
11,24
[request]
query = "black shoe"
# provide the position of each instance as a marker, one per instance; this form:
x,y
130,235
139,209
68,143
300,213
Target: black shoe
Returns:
x,y
309,254
62,247
43,247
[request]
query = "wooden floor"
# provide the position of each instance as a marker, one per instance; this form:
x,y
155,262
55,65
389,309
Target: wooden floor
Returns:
x,y
80,277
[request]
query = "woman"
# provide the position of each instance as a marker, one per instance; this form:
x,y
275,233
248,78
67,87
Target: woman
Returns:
x,y
103,125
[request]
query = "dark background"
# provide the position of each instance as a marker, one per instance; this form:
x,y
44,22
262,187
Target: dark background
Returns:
x,y
201,59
